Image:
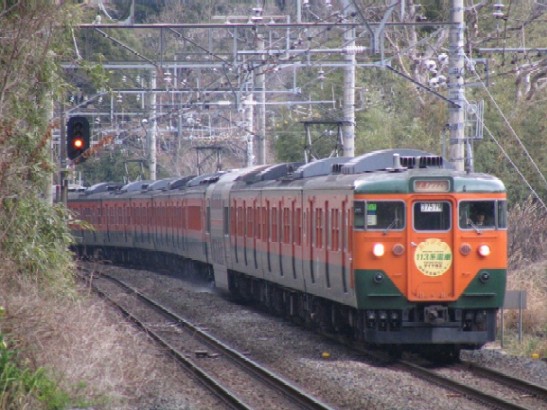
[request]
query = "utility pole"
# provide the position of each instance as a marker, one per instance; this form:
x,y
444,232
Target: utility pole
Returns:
x,y
348,129
249,103
151,134
261,88
63,181
456,95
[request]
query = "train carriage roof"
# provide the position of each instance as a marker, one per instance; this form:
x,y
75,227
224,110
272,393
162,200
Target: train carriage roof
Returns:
x,y
384,171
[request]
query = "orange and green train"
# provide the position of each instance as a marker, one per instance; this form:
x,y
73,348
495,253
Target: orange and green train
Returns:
x,y
392,247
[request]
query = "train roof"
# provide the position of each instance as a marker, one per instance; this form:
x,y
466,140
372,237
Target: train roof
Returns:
x,y
160,184
205,179
180,182
136,186
393,158
321,167
383,171
437,180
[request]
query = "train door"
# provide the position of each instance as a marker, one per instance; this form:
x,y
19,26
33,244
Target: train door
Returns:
x,y
256,231
275,259
430,264
285,240
345,229
267,236
308,251
233,232
335,273
108,221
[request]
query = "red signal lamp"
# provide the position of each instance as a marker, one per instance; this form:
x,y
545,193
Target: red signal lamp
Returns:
x,y
78,143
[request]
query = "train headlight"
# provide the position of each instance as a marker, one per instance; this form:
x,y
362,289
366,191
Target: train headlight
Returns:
x,y
378,250
484,250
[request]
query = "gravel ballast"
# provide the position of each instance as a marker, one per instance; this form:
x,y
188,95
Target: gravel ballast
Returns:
x,y
344,380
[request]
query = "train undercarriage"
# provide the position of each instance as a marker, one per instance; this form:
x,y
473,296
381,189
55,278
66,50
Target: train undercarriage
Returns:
x,y
431,329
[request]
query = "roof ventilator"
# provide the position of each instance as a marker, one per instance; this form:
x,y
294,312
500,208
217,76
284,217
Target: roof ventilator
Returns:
x,y
426,161
397,167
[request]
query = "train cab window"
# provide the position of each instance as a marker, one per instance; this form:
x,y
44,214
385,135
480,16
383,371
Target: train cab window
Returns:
x,y
502,214
432,216
482,214
385,215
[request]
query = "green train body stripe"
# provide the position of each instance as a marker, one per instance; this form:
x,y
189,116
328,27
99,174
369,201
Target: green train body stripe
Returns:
x,y
488,294
478,295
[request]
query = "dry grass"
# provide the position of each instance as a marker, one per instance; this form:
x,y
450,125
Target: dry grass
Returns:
x,y
87,346
528,271
532,279
527,234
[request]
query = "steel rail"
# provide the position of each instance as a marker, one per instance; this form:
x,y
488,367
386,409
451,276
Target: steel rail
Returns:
x,y
226,396
453,385
287,389
531,388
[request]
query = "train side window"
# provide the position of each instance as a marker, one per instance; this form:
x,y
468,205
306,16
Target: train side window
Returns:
x,y
318,228
286,226
385,215
275,221
432,216
250,222
240,226
258,225
359,214
298,238
478,214
233,219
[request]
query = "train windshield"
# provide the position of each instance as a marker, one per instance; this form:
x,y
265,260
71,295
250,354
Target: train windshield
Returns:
x,y
432,216
483,214
379,215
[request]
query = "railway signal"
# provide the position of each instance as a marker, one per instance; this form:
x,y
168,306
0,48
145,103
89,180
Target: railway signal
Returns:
x,y
78,138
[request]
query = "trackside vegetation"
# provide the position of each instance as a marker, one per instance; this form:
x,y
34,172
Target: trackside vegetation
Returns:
x,y
21,387
33,234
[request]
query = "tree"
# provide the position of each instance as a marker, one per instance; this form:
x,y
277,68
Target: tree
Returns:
x,y
33,235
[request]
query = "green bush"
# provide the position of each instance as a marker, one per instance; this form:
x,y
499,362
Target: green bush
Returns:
x,y
21,387
35,237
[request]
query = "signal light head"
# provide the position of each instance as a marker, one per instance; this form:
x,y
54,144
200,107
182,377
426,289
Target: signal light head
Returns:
x,y
78,137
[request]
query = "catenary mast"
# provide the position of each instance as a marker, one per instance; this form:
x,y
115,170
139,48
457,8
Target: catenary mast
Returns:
x,y
456,70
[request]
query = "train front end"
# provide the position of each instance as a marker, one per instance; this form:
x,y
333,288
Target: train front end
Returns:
x,y
429,256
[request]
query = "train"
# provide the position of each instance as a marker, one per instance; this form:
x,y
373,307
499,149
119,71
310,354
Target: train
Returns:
x,y
391,248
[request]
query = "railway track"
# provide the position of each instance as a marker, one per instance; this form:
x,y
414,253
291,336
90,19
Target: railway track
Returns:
x,y
237,381
502,391
497,390
461,380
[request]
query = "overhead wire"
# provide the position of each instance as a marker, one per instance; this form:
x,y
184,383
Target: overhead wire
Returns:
x,y
519,140
514,165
